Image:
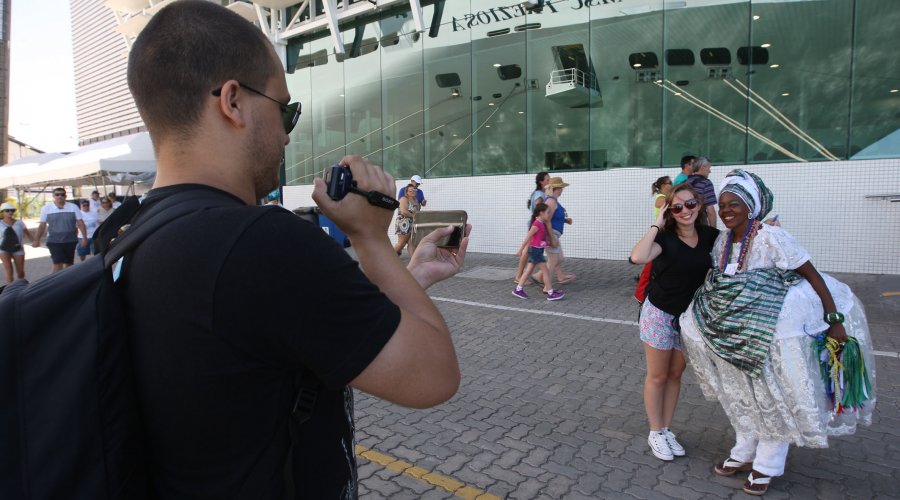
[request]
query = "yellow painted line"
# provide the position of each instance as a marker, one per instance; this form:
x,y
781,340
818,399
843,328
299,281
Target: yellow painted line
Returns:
x,y
432,478
890,294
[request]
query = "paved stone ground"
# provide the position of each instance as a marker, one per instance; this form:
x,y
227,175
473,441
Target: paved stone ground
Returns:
x,y
550,406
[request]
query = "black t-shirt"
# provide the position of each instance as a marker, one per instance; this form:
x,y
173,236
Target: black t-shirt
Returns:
x,y
220,326
679,270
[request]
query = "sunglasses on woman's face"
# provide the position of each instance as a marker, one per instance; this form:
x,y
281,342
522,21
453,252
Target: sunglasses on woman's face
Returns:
x,y
688,204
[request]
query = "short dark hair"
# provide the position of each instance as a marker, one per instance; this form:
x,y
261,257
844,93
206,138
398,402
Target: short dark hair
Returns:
x,y
687,160
59,189
187,50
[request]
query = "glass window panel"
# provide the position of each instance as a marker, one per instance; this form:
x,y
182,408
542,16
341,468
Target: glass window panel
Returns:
x,y
875,129
362,79
705,112
560,87
327,107
402,97
298,154
499,139
800,97
448,108
626,122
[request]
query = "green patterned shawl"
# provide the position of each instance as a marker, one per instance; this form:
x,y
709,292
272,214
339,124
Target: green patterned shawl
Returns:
x,y
737,314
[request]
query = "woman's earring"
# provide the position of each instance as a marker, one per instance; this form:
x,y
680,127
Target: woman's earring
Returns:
x,y
749,216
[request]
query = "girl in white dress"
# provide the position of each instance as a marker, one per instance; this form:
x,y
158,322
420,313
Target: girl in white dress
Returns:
x,y
750,336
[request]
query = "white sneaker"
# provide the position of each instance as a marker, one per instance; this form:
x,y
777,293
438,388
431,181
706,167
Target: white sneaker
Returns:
x,y
659,446
674,445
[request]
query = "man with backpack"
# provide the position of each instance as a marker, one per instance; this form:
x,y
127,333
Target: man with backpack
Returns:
x,y
239,314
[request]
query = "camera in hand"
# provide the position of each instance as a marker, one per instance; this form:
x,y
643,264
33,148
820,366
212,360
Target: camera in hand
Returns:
x,y
339,181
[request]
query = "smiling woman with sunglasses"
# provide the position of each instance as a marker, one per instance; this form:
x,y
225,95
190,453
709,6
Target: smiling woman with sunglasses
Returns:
x,y
679,246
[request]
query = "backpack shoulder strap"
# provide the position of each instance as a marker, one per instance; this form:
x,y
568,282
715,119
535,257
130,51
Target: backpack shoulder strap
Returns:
x,y
146,220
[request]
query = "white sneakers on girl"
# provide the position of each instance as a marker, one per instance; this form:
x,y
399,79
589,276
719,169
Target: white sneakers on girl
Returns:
x,y
659,446
674,445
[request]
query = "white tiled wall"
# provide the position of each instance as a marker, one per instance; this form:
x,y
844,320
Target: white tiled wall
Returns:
x,y
823,205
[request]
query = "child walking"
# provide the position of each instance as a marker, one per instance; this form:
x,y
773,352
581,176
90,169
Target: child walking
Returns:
x,y
536,240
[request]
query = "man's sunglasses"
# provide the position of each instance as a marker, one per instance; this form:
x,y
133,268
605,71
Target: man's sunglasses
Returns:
x,y
688,204
10,210
290,113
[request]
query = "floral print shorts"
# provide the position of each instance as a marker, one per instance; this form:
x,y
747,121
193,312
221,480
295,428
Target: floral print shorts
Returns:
x,y
657,330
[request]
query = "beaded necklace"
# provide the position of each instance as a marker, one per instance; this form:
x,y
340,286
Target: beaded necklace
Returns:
x,y
749,233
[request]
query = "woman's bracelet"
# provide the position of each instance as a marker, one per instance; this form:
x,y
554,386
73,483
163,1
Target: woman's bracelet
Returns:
x,y
657,227
834,318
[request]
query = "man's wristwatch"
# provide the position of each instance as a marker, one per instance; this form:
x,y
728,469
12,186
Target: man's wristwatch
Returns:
x,y
834,318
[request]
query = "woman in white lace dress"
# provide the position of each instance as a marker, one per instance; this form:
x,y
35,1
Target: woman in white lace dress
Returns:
x,y
749,336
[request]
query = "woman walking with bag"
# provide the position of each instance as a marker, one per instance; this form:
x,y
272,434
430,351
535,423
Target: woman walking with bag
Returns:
x,y
679,246
12,232
409,205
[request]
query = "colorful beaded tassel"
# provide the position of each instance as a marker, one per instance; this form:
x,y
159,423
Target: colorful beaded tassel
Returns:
x,y
844,373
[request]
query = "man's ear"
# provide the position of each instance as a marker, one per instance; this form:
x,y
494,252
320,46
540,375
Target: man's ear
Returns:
x,y
231,104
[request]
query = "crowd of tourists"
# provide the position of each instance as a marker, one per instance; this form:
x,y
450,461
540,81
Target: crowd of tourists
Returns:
x,y
69,228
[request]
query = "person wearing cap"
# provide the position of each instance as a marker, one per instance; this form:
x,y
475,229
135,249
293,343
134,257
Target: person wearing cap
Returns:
x,y
416,181
12,232
557,222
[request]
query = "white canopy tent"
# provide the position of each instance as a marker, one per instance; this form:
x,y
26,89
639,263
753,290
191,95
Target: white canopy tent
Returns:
x,y
21,167
123,160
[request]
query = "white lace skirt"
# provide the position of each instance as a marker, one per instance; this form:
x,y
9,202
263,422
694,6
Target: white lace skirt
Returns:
x,y
787,402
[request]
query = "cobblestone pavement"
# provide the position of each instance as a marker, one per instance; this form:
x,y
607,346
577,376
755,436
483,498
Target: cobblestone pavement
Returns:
x,y
550,404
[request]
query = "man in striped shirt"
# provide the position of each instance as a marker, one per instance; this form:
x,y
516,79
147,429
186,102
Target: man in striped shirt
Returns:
x,y
704,187
63,222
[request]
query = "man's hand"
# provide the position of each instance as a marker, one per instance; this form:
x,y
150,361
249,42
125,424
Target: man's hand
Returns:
x,y
353,214
430,264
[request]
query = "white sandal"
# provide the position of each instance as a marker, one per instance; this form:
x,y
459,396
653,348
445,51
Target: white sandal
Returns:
x,y
731,466
751,482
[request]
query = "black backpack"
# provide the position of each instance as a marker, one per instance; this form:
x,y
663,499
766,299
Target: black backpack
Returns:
x,y
10,241
69,421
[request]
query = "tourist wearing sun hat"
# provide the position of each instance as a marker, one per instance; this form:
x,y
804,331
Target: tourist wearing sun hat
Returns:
x,y
12,233
557,221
